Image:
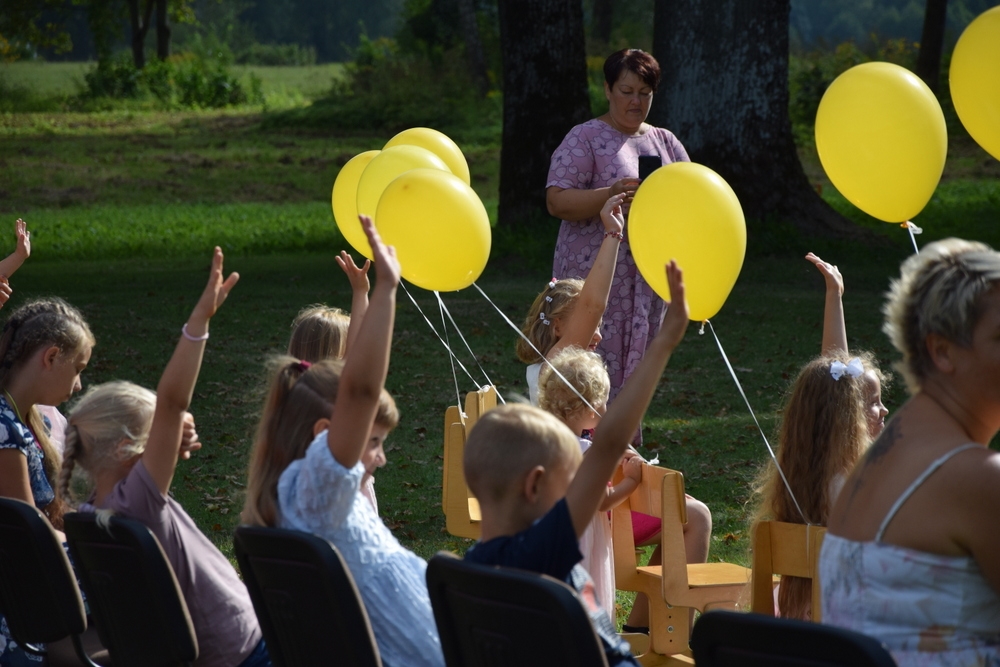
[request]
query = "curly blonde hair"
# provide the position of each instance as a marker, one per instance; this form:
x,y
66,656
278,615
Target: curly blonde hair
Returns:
x,y
584,370
555,301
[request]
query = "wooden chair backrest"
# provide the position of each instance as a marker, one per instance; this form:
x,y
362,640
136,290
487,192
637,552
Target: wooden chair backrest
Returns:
x,y
461,509
790,549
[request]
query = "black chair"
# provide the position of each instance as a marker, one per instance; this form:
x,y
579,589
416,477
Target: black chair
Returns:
x,y
728,639
38,591
305,598
133,594
498,617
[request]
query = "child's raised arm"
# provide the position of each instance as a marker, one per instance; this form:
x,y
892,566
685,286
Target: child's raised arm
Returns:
x,y
359,294
173,394
611,438
366,366
579,326
13,261
834,327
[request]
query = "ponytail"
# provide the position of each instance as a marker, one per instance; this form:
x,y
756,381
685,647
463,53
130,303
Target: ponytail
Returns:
x,y
70,450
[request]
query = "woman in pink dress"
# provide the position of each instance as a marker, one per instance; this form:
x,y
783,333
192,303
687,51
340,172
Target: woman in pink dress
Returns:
x,y
596,160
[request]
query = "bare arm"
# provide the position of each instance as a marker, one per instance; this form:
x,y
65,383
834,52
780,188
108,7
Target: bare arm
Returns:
x,y
359,293
173,394
983,537
366,366
576,204
834,327
15,481
579,326
623,417
623,489
22,251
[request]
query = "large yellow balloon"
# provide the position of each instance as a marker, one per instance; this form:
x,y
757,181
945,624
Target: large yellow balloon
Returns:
x,y
975,80
686,211
881,137
345,202
385,167
439,228
438,143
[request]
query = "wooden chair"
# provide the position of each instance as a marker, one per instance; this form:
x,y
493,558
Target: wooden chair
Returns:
x,y
461,509
675,587
730,639
502,617
790,549
38,591
133,594
305,598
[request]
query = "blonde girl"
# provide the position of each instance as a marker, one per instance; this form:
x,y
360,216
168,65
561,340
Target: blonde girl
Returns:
x,y
126,440
317,491
586,372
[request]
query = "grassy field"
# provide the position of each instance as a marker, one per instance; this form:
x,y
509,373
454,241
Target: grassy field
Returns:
x,y
125,208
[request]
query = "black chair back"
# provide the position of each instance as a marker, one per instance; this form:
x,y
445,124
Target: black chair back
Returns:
x,y
728,639
305,598
133,594
38,591
499,617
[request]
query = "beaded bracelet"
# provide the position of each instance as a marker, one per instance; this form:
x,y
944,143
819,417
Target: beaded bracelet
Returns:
x,y
618,235
193,339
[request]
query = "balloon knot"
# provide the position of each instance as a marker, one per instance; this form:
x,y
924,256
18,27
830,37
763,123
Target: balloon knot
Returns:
x,y
701,331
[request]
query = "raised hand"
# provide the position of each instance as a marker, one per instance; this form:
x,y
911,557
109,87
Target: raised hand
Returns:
x,y
189,437
358,277
23,249
612,215
216,290
675,322
831,274
387,267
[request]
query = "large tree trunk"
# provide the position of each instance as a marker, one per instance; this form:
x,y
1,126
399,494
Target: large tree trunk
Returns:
x,y
473,45
140,26
544,95
932,42
162,31
602,17
724,93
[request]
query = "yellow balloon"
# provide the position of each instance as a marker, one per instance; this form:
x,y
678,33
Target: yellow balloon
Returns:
x,y
345,202
439,228
438,143
686,211
385,167
975,80
881,137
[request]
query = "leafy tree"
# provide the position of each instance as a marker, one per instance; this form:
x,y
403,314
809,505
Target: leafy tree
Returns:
x,y
26,25
725,94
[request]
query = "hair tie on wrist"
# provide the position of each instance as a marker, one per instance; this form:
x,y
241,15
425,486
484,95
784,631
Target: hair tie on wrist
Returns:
x,y
193,339
618,235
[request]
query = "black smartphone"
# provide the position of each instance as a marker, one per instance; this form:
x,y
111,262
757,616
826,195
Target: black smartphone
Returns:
x,y
648,164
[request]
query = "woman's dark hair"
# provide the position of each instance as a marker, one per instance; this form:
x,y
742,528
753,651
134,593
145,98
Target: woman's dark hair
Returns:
x,y
636,61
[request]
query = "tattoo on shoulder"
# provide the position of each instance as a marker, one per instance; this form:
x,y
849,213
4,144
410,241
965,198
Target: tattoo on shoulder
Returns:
x,y
885,441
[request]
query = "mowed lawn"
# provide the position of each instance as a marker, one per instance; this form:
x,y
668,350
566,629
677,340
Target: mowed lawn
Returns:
x,y
126,206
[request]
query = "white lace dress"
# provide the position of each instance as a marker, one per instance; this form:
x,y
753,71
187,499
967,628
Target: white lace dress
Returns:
x,y
318,495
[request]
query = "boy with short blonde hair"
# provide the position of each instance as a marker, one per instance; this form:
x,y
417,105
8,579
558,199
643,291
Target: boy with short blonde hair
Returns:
x,y
536,495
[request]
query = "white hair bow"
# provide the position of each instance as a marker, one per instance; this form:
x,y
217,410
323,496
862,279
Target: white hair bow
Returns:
x,y
853,368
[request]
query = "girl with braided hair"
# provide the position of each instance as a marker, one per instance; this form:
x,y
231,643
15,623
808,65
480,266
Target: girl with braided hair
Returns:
x,y
44,347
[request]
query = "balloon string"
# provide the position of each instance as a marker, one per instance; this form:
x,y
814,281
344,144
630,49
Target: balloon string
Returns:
x,y
438,336
913,229
444,308
537,351
451,356
764,437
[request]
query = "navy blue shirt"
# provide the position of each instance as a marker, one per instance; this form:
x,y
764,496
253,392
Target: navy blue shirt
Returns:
x,y
550,546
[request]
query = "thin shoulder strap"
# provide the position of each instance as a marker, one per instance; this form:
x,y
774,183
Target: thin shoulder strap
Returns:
x,y
937,463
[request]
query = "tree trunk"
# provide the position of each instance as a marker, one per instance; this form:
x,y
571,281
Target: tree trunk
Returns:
x,y
932,42
473,45
140,26
544,95
162,30
724,93
603,13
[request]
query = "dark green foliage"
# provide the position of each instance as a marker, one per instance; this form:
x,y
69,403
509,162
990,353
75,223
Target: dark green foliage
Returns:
x,y
189,80
277,55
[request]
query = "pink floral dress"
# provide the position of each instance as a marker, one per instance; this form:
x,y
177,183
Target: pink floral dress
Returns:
x,y
595,155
